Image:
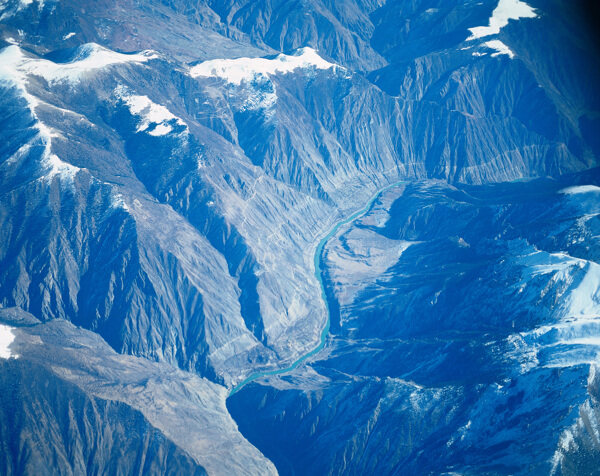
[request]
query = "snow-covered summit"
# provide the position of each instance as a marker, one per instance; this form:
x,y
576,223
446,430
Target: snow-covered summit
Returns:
x,y
505,11
15,63
237,70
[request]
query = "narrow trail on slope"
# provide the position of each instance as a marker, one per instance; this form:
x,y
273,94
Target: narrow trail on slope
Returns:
x,y
319,276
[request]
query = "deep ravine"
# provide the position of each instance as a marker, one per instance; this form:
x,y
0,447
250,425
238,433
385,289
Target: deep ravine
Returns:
x,y
318,274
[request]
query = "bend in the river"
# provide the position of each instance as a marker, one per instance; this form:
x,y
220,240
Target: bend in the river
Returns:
x,y
319,276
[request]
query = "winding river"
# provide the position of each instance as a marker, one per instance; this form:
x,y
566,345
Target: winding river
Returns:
x,y
319,276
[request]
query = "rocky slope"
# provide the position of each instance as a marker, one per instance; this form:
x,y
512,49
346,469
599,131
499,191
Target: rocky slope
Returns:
x,y
37,407
107,412
465,339
167,169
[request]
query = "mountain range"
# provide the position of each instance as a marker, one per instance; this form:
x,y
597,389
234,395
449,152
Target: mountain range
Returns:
x,y
299,237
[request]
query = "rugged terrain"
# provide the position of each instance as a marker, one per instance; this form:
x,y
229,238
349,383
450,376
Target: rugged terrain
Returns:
x,y
167,170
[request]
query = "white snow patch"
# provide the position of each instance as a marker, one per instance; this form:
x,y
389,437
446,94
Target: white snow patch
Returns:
x,y
91,57
118,201
584,299
69,35
499,47
540,262
505,11
574,336
580,189
581,298
59,167
9,73
255,74
566,440
161,130
261,98
592,375
149,112
7,336
235,71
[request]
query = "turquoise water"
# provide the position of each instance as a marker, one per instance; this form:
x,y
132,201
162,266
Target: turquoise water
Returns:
x,y
319,277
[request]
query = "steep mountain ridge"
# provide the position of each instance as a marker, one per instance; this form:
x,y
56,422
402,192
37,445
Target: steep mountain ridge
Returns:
x,y
84,431
168,168
183,415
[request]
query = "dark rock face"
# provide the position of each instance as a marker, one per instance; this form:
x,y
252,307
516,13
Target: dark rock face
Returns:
x,y
49,426
168,167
